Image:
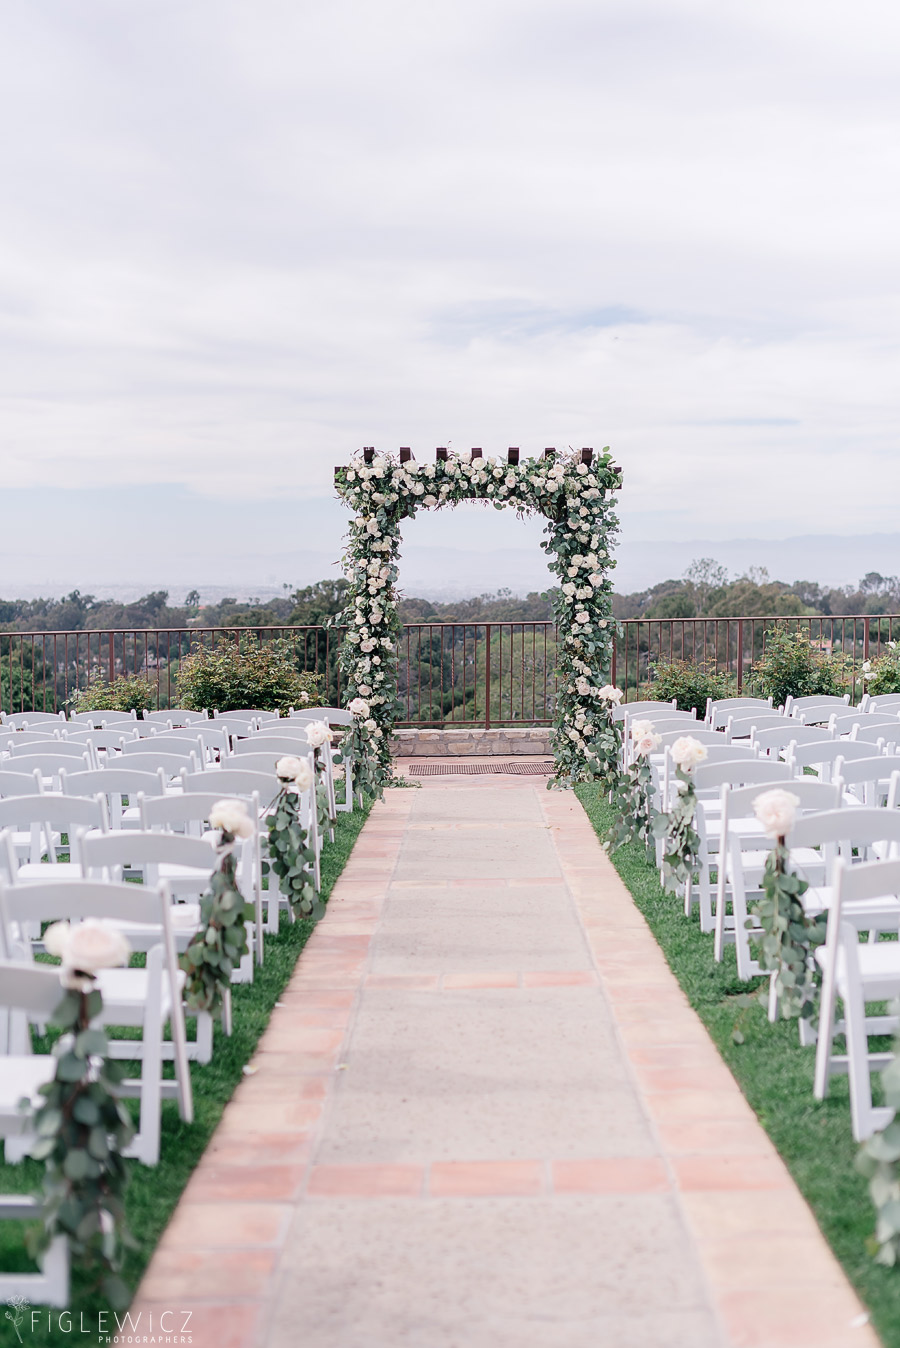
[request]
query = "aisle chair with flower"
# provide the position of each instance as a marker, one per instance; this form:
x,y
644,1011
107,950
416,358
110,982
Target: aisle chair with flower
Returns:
x,y
858,974
635,727
112,918
315,735
276,745
335,717
749,815
709,778
190,815
28,994
260,778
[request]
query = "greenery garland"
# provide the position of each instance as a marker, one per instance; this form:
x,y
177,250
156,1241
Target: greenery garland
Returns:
x,y
681,839
82,1129
577,500
217,948
633,801
788,937
291,857
879,1160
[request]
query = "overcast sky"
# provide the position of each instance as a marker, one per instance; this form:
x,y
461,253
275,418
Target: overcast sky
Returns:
x,y
240,240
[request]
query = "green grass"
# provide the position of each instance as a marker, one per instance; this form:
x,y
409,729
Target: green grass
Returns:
x,y
153,1191
776,1076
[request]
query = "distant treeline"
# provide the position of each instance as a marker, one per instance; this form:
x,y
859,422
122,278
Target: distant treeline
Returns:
x,y
705,591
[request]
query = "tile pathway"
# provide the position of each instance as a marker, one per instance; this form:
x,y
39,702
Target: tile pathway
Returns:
x,y
485,1116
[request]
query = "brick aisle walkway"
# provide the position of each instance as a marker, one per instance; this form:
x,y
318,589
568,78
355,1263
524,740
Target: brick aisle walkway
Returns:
x,y
484,1116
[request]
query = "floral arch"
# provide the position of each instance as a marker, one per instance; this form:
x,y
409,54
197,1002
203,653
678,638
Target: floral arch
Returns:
x,y
575,491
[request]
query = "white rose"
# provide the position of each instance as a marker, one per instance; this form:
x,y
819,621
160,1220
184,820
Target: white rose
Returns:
x,y
430,501
510,479
358,707
303,777
365,689
646,744
582,686
568,589
318,733
776,811
687,753
304,697
609,693
287,768
572,571
640,728
583,616
595,579
55,938
370,724
91,945
367,645
231,817
419,489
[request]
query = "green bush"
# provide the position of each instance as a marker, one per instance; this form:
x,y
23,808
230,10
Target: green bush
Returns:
x,y
261,675
792,666
689,684
883,674
129,692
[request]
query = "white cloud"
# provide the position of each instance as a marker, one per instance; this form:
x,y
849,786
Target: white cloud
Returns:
x,y
237,242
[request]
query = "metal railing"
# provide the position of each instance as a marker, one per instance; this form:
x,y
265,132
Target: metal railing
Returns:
x,y
487,674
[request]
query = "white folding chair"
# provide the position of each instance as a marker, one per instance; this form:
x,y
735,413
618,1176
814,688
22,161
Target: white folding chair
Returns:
x,y
152,760
810,706
117,784
101,720
20,719
858,974
709,778
32,994
177,716
145,998
822,755
866,781
744,727
719,709
771,742
743,855
33,827
20,783
49,764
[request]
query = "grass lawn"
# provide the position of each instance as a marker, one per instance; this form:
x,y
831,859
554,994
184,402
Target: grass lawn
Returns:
x,y
776,1076
153,1191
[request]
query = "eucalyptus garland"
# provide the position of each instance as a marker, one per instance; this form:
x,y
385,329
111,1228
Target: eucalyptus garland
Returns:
x,y
290,855
788,936
82,1130
577,499
221,942
879,1160
681,842
634,805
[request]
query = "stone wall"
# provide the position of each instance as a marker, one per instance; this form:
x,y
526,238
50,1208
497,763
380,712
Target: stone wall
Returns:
x,y
471,743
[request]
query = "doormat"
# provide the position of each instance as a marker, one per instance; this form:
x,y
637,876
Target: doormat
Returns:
x,y
543,769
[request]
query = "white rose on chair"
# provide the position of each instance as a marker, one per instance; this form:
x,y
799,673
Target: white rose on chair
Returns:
x,y
90,945
641,728
358,707
609,693
318,733
646,744
776,811
687,753
231,817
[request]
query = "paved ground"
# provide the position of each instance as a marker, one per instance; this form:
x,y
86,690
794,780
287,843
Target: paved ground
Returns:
x,y
484,1116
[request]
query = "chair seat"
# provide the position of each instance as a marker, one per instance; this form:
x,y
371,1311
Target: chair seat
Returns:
x,y
125,995
20,1078
879,969
41,872
817,899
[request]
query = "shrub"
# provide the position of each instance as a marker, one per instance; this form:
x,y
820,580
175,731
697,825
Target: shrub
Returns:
x,y
792,666
129,692
689,684
261,675
883,674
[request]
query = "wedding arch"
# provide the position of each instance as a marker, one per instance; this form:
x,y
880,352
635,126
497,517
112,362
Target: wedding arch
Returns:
x,y
574,491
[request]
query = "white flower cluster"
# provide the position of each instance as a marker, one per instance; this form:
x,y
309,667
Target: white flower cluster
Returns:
x,y
294,773
644,738
319,733
84,949
776,810
688,752
230,816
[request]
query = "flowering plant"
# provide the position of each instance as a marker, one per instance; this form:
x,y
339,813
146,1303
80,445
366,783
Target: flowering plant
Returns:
x,y
575,496
219,944
81,1125
789,934
676,825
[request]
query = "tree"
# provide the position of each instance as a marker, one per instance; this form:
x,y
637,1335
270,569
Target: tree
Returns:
x,y
704,577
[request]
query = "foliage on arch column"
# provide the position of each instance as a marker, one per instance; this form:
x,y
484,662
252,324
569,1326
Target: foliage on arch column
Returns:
x,y
577,500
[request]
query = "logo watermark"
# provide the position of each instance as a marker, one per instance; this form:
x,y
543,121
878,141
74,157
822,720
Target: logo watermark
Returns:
x,y
17,1308
105,1327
